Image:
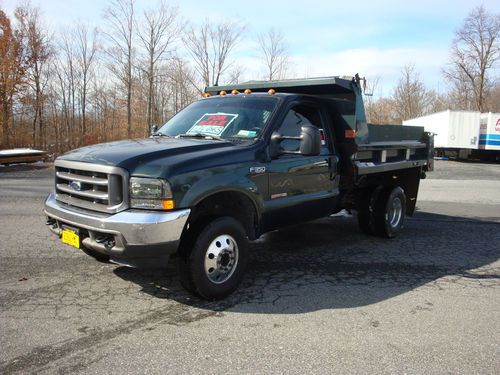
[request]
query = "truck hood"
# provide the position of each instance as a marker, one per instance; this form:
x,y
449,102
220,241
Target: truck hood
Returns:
x,y
129,154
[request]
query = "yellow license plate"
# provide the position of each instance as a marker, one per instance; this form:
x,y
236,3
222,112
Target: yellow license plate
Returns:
x,y
71,238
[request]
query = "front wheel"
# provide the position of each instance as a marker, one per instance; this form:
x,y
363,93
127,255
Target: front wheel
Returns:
x,y
214,266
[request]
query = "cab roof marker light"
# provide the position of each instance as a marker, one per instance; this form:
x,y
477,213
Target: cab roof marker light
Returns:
x,y
247,91
235,92
271,91
222,93
207,95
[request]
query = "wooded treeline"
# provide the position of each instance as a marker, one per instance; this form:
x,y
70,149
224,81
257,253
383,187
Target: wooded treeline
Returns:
x,y
84,85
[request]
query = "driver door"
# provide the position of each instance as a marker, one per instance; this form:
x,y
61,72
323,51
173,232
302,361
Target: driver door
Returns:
x,y
301,187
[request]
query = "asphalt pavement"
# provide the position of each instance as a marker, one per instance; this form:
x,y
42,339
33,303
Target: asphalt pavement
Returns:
x,y
318,298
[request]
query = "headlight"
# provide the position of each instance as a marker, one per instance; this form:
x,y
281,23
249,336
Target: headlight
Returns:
x,y
150,193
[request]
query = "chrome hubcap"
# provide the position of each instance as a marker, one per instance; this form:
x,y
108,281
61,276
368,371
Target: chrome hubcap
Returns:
x,y
395,212
221,258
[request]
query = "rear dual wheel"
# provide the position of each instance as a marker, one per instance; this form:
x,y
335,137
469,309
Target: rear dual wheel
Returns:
x,y
381,211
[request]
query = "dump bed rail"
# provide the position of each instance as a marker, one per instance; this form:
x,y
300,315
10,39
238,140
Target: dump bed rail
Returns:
x,y
385,154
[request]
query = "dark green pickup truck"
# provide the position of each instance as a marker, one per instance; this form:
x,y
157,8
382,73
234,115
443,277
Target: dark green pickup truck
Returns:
x,y
244,160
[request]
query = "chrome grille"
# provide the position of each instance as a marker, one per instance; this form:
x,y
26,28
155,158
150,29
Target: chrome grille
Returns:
x,y
91,186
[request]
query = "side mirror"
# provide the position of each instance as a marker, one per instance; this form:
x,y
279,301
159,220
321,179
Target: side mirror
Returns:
x,y
310,142
154,129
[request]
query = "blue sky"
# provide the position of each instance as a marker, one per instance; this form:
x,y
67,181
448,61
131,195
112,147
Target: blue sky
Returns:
x,y
374,38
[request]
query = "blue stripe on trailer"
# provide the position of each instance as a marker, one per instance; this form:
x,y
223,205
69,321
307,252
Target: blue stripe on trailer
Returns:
x,y
488,142
489,136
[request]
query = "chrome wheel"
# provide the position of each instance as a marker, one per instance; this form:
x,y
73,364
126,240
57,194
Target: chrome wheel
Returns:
x,y
395,212
221,259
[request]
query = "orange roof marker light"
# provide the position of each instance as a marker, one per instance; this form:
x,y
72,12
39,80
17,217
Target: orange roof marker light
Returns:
x,y
207,95
222,93
349,133
235,92
271,91
247,91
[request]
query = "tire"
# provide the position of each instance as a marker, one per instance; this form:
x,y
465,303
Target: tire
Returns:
x,y
366,217
215,264
389,212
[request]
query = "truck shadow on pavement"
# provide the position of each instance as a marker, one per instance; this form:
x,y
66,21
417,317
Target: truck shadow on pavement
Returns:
x,y
329,264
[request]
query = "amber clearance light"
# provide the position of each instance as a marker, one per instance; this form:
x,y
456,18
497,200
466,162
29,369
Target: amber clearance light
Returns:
x,y
271,91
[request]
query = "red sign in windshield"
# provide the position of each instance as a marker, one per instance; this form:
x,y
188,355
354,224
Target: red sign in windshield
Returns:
x,y
212,123
215,120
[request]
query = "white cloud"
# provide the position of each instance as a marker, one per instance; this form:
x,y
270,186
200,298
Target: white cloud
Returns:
x,y
375,62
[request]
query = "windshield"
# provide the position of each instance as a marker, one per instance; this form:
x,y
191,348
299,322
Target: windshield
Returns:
x,y
232,118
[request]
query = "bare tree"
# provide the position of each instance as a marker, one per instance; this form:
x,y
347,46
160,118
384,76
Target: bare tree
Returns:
x,y
383,112
411,97
179,87
475,51
371,88
86,51
210,47
11,73
39,51
120,16
158,30
273,53
66,72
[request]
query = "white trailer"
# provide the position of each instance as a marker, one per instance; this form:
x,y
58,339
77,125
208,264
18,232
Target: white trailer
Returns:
x,y
463,134
489,131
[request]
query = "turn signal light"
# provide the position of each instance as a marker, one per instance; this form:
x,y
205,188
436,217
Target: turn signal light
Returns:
x,y
168,204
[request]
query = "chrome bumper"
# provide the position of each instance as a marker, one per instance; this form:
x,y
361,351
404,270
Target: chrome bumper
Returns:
x,y
134,238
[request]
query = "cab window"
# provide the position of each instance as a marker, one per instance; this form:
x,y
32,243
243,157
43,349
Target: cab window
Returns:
x,y
297,117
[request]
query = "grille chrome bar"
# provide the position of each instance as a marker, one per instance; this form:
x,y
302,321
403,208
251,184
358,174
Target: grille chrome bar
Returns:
x,y
84,193
92,187
86,180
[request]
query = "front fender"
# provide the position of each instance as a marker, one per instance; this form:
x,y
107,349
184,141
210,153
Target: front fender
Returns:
x,y
214,182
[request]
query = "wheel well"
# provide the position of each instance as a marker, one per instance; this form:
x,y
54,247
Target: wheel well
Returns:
x,y
407,179
228,203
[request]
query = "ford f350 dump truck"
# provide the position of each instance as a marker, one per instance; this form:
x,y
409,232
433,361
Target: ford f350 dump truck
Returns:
x,y
245,160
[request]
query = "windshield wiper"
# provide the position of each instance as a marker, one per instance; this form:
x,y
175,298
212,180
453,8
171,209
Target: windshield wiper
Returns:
x,y
160,135
201,135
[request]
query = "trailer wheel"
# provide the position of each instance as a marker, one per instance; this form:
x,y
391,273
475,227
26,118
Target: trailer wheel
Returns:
x,y
389,212
214,266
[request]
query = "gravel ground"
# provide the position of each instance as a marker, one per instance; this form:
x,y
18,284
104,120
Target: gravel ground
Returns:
x,y
318,298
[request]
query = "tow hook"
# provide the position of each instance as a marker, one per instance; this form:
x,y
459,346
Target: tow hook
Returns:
x,y
51,222
108,242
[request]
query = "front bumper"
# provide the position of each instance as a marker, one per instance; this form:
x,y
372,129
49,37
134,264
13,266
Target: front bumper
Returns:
x,y
133,238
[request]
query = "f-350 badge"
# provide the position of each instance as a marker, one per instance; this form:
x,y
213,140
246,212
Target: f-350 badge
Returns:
x,y
257,170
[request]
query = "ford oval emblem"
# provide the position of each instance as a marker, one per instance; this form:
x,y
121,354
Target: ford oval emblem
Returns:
x,y
75,185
